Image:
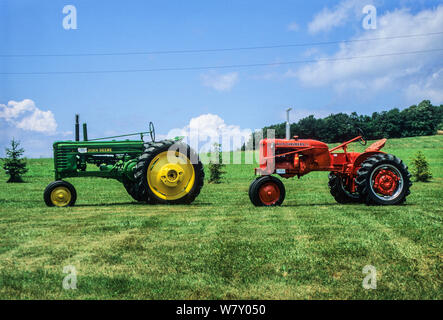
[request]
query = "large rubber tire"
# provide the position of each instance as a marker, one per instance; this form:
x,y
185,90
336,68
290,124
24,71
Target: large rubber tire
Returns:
x,y
274,186
131,188
339,192
60,185
365,180
152,149
251,188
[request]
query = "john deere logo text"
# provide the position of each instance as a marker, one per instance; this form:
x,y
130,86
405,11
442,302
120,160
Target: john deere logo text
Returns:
x,y
100,150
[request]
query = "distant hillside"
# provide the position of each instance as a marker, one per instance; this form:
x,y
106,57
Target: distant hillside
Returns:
x,y
417,120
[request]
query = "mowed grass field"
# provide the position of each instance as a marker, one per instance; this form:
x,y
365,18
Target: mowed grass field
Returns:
x,y
221,247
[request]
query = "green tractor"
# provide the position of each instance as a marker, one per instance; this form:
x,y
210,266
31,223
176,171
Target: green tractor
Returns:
x,y
166,172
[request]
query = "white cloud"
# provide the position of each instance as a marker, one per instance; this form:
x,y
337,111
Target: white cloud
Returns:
x,y
328,19
293,26
430,88
40,121
379,73
206,129
15,109
25,115
222,82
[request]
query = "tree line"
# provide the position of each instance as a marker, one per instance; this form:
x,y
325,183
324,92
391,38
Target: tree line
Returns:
x,y
417,120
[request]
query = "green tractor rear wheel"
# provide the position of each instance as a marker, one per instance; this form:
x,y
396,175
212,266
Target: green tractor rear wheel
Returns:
x,y
131,188
169,172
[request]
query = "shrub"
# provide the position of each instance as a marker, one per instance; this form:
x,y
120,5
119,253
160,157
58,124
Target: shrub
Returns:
x,y
14,164
421,170
215,168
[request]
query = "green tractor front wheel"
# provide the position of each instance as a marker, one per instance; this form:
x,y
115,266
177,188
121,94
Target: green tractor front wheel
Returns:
x,y
60,194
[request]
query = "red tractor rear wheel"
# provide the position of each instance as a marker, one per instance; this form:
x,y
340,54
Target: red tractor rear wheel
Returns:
x,y
340,191
383,179
267,191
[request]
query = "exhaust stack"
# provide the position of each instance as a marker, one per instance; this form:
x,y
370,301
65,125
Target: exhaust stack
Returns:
x,y
77,128
85,132
288,133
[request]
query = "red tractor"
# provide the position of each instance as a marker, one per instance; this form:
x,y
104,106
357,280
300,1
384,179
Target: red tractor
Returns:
x,y
373,177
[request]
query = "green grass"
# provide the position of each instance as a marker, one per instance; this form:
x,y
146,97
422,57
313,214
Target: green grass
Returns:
x,y
221,247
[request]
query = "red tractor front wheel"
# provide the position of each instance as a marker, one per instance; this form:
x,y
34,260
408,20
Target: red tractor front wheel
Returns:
x,y
267,191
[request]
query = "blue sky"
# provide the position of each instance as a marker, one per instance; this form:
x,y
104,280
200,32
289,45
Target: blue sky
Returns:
x,y
39,108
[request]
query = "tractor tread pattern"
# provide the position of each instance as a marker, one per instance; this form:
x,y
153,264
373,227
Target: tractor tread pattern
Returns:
x,y
337,191
131,188
151,149
363,175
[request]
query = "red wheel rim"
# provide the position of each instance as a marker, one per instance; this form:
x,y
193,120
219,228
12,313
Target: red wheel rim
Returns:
x,y
385,182
269,193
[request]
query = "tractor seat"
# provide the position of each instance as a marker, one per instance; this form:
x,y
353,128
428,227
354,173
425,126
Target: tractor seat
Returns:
x,y
376,146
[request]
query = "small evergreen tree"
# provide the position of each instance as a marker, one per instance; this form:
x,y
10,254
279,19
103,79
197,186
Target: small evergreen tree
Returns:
x,y
421,169
215,168
14,164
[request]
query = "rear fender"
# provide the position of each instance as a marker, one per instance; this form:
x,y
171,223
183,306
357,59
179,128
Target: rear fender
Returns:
x,y
376,146
362,157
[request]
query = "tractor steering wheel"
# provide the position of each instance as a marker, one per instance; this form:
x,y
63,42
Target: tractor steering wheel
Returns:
x,y
363,139
152,131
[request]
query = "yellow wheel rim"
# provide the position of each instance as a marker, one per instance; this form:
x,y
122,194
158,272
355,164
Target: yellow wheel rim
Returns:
x,y
61,196
171,175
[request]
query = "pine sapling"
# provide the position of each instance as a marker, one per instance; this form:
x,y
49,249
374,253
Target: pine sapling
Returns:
x,y
216,167
421,170
14,164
